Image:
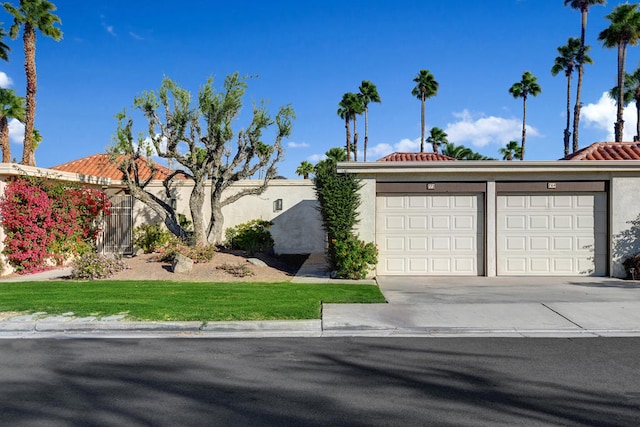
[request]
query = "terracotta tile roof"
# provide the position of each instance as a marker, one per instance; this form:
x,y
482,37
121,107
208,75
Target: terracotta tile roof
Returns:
x,y
416,157
100,165
607,151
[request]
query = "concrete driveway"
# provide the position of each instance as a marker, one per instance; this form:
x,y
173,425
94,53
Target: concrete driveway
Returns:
x,y
483,306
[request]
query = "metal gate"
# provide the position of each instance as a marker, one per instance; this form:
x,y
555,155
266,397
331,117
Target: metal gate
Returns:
x,y
118,227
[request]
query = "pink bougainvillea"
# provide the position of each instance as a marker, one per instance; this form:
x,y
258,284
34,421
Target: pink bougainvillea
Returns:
x,y
48,220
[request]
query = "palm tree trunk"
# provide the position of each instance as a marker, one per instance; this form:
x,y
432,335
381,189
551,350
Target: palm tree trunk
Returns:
x,y
366,131
422,124
637,137
4,140
355,140
29,39
567,134
524,124
578,106
347,126
619,125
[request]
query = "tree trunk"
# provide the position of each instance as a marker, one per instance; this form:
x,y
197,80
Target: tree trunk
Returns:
x,y
619,125
347,126
366,132
355,140
524,125
422,124
171,222
637,137
196,201
578,106
567,134
4,140
29,39
216,222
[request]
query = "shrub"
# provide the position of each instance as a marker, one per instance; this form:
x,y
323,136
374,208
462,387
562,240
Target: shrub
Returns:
x,y
354,258
151,237
198,253
94,266
237,270
48,220
251,236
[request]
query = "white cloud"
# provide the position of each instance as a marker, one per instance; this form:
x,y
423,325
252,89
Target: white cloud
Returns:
x,y
378,151
602,116
16,131
297,144
5,81
315,158
135,36
480,131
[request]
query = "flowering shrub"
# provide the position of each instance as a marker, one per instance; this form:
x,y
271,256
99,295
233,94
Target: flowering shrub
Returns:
x,y
94,266
48,220
354,258
198,253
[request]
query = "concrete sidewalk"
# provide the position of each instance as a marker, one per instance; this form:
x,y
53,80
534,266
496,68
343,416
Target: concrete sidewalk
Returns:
x,y
417,306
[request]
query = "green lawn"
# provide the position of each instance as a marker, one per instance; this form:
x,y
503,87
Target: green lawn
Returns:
x,y
164,300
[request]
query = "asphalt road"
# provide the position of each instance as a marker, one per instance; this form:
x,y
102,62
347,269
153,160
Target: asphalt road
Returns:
x,y
321,381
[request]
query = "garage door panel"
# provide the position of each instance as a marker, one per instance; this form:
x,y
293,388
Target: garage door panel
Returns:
x,y
569,238
441,234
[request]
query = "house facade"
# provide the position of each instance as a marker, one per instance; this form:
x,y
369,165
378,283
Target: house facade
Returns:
x,y
290,204
576,217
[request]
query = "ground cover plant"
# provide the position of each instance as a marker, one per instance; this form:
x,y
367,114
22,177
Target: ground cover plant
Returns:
x,y
182,301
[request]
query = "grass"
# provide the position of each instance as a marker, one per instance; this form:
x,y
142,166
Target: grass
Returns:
x,y
181,301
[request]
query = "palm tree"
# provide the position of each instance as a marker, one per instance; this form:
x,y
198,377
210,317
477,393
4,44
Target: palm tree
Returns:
x,y
32,15
522,89
623,31
304,169
437,137
336,154
459,152
631,93
4,48
511,151
368,93
583,6
348,108
11,107
566,62
426,87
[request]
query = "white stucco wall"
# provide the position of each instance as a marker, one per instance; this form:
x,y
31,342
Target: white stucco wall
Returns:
x,y
297,228
624,221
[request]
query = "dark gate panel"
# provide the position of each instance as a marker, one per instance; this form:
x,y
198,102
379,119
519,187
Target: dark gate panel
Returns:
x,y
118,227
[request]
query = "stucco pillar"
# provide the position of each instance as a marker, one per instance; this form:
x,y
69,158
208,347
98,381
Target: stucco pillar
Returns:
x,y
490,230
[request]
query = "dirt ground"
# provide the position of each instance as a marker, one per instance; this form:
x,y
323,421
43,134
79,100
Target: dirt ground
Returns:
x,y
146,267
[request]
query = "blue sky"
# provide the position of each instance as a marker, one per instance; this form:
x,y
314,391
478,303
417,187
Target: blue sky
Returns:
x,y
308,53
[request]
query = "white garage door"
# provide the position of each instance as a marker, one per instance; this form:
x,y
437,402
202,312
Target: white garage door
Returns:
x,y
551,234
430,234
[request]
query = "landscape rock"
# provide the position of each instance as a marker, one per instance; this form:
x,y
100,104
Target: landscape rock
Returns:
x,y
181,264
257,262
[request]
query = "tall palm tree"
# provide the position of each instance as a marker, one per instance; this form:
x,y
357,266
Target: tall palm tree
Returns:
x,y
304,169
426,87
623,31
348,108
511,151
437,137
528,85
631,93
368,93
11,107
583,6
566,62
32,15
